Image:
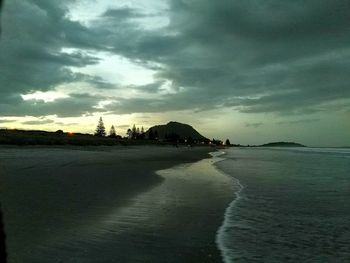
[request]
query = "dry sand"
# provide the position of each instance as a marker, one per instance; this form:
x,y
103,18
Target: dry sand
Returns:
x,y
107,204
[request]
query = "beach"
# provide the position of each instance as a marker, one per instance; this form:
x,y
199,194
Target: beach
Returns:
x,y
112,204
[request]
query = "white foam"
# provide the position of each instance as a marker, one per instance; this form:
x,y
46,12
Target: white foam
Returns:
x,y
226,223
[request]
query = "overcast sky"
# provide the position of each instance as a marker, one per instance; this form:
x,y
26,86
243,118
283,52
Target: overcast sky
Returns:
x,y
248,70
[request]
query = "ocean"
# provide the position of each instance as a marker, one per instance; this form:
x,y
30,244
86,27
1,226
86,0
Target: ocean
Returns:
x,y
291,205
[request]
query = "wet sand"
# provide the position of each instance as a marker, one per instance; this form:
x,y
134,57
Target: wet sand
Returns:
x,y
108,204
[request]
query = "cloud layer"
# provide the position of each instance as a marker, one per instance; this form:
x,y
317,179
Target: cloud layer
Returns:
x,y
284,57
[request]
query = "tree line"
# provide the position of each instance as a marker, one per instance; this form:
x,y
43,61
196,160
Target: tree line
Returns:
x,y
136,133
133,133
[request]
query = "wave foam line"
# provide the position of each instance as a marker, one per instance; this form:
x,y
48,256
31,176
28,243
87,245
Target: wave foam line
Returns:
x,y
221,231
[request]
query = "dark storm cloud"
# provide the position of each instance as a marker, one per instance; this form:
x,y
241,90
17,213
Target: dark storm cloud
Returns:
x,y
6,121
271,56
38,122
122,14
74,106
254,125
294,55
288,57
149,88
302,121
31,57
297,50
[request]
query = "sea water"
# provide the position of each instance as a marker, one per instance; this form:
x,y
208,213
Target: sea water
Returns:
x,y
293,205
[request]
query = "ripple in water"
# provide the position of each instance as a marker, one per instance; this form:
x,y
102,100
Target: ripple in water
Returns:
x,y
291,206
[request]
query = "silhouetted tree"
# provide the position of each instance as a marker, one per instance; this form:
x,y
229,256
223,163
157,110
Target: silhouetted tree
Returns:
x,y
142,133
129,133
60,132
134,131
100,129
217,142
228,143
112,132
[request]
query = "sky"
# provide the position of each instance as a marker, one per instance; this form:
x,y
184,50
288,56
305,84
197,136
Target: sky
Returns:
x,y
251,71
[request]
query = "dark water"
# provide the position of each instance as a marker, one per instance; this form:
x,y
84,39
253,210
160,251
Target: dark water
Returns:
x,y
294,206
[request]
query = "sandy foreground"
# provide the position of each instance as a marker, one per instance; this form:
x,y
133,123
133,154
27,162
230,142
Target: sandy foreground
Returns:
x,y
108,204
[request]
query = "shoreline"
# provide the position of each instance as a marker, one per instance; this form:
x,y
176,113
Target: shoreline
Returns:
x,y
178,220
221,231
237,189
64,193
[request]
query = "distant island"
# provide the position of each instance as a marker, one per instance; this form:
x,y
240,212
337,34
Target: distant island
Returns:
x,y
282,144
